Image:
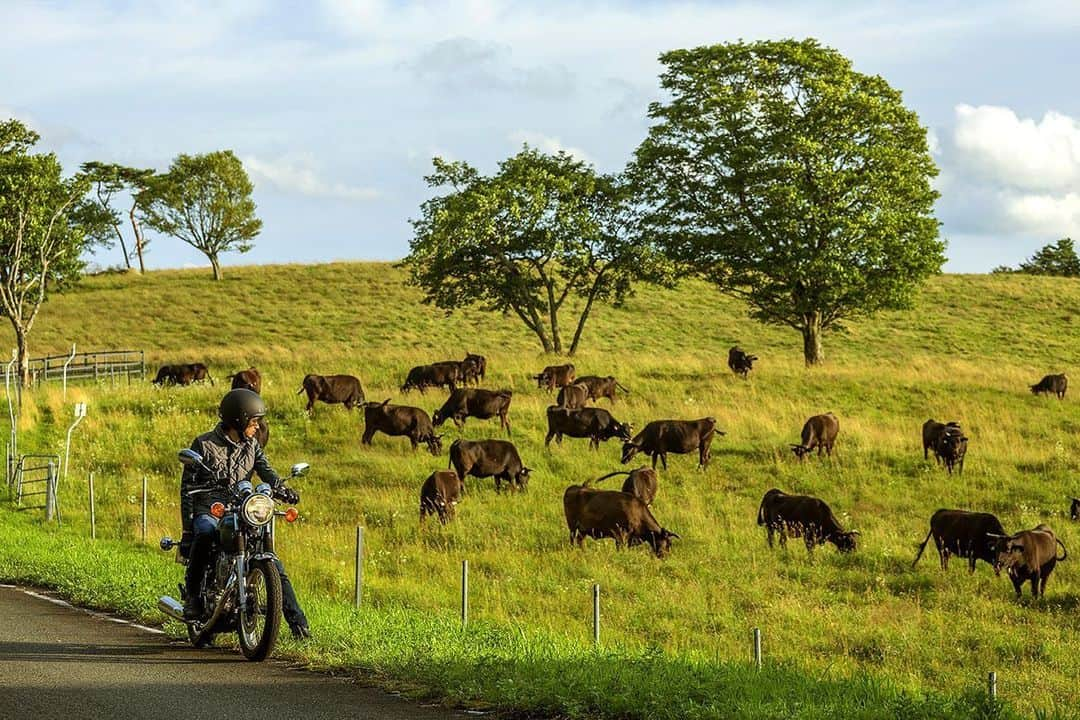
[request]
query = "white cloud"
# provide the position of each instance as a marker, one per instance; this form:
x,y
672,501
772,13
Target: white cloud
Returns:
x,y
1051,215
1019,152
297,174
548,144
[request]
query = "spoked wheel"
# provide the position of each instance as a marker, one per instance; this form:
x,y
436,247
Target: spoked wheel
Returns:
x,y
260,618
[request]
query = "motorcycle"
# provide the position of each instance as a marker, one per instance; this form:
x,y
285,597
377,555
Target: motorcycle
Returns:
x,y
241,589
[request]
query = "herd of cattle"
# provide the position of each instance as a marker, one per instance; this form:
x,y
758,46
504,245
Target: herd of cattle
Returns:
x,y
625,515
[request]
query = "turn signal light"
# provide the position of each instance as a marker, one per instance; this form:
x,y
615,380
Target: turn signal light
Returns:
x,y
217,510
291,514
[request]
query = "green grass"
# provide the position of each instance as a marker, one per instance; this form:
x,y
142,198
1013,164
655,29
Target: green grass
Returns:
x,y
863,635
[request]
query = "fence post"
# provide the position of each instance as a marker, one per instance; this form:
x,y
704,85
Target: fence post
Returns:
x,y
991,683
757,648
359,583
93,517
596,613
80,413
464,593
68,362
144,508
50,493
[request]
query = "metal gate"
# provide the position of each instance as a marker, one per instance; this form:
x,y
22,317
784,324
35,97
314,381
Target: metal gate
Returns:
x,y
35,477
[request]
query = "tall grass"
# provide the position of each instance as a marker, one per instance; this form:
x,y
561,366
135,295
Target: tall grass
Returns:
x,y
860,623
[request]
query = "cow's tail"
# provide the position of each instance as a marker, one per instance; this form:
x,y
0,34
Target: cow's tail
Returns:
x,y
620,386
301,390
1064,552
922,547
587,483
761,512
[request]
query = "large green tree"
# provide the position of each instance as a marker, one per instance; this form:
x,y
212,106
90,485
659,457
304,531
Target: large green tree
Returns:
x,y
792,181
542,230
204,200
109,180
41,238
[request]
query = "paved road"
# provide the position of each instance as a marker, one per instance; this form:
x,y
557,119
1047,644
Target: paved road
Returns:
x,y
60,662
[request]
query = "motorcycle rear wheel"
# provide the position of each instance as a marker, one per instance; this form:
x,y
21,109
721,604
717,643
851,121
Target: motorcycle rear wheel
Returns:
x,y
260,620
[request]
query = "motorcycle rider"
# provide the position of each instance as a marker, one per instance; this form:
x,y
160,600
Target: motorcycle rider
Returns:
x,y
232,452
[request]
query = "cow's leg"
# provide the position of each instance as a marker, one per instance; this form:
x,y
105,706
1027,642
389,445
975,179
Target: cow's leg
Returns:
x,y
505,419
971,561
1018,584
663,460
783,536
1042,585
594,442
414,443
654,456
769,535
1035,584
945,559
547,440
368,434
310,402
558,438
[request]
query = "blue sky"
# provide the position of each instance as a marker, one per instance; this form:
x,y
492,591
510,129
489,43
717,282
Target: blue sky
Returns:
x,y
336,107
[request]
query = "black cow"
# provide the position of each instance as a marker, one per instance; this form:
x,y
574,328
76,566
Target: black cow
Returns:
x,y
802,516
612,514
640,482
490,458
740,362
439,494
554,376
182,374
441,374
250,379
1029,555
600,387
678,436
572,396
1074,509
475,402
332,389
473,368
1056,384
596,424
964,534
931,431
400,420
819,432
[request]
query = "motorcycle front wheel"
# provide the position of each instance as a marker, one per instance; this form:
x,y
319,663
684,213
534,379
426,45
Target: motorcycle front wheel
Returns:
x,y
260,618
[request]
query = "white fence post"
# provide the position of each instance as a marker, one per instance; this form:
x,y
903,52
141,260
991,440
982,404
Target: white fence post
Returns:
x,y
93,516
757,647
596,613
66,363
464,593
358,585
80,413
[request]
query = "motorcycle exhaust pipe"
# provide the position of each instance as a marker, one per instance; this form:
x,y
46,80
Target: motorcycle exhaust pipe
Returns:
x,y
172,608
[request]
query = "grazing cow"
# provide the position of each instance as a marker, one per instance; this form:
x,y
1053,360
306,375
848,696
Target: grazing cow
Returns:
x,y
740,362
640,482
439,494
819,432
473,368
490,458
1029,555
596,424
554,376
440,374
475,402
600,387
573,396
802,516
250,379
612,514
678,436
399,420
1056,384
332,389
182,374
1074,509
964,534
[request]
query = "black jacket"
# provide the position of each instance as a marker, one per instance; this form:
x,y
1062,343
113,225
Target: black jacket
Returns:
x,y
231,462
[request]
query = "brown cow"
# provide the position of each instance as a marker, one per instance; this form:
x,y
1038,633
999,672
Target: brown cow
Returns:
x,y
1056,384
400,420
594,423
475,402
439,494
948,443
740,362
600,387
250,379
182,374
613,514
554,376
441,374
640,482
660,437
473,368
819,432
1029,555
931,431
802,516
490,458
573,396
332,389
964,534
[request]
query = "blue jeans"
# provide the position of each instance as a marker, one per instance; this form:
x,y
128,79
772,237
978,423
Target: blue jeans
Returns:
x,y
205,529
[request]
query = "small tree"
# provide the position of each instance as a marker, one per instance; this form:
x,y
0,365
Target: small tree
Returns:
x,y
204,200
1054,259
524,240
40,239
792,181
108,179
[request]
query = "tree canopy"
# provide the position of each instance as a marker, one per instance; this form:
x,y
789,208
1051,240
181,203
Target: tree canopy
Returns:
x,y
107,181
541,230
204,200
792,181
1053,259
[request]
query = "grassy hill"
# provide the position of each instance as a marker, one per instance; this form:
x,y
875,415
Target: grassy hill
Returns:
x,y
967,352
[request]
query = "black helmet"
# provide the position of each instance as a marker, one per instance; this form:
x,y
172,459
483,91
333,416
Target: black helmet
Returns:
x,y
238,407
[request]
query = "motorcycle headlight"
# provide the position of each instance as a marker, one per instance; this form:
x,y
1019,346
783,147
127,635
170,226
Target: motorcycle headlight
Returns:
x,y
258,509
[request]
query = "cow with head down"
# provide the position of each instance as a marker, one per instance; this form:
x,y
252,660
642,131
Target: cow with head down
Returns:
x,y
554,376
965,534
447,373
475,402
332,390
490,458
802,516
740,362
819,432
573,396
1052,384
597,424
661,437
182,374
400,421
1029,555
600,387
250,379
440,494
640,482
613,514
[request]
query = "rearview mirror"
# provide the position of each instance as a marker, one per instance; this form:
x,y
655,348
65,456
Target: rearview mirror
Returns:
x,y
299,469
189,457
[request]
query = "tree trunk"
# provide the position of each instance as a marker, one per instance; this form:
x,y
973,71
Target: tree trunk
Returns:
x,y
582,319
138,239
811,332
216,265
123,247
23,361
